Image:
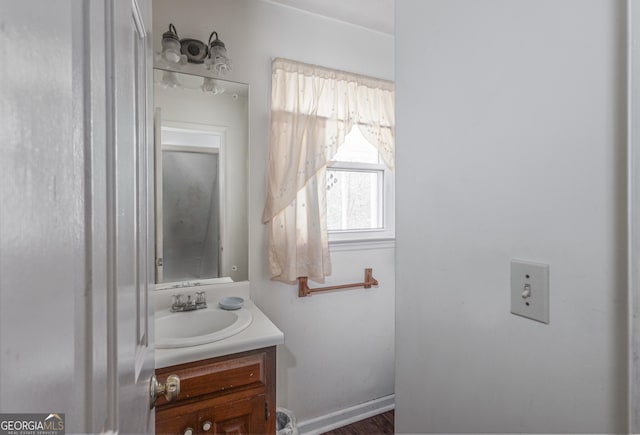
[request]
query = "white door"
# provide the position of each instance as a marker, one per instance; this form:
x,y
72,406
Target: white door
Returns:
x,y
76,216
130,216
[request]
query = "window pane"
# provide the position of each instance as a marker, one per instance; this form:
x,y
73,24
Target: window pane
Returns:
x,y
357,149
354,200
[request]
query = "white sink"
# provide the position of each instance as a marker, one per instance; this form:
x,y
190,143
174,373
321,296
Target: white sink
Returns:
x,y
197,327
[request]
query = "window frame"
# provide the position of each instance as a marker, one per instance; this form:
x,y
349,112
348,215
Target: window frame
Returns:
x,y
387,231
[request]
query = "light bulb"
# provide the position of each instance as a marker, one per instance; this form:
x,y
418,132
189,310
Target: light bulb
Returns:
x,y
171,47
218,59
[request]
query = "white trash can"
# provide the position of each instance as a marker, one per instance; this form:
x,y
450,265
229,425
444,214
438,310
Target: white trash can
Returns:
x,y
285,422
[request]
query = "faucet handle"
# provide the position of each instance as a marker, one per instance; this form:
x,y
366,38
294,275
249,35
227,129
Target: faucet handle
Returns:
x,y
177,303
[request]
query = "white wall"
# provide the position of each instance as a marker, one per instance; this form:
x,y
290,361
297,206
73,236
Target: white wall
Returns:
x,y
511,144
338,348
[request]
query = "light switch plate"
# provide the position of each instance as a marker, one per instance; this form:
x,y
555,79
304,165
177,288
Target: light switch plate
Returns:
x,y
530,290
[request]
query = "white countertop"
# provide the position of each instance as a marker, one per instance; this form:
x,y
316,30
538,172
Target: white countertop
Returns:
x,y
261,333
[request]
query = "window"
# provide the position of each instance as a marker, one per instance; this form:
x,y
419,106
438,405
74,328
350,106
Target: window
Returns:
x,y
310,105
360,203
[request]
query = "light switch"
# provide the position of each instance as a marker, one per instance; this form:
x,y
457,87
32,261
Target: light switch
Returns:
x,y
530,290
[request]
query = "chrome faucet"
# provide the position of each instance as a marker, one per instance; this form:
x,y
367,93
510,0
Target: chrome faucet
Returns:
x,y
178,303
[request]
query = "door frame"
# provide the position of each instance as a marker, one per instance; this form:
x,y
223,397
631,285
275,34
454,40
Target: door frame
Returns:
x,y
633,202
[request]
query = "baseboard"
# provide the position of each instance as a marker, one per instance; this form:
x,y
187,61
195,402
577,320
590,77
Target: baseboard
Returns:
x,y
346,416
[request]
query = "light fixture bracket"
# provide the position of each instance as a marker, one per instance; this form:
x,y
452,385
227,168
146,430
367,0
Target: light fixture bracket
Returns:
x,y
195,50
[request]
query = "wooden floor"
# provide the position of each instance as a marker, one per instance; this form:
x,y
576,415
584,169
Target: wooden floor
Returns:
x,y
381,424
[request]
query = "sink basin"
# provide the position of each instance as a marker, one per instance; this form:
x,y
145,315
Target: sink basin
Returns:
x,y
197,327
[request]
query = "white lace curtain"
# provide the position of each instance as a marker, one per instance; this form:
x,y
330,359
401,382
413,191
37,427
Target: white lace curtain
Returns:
x,y
312,109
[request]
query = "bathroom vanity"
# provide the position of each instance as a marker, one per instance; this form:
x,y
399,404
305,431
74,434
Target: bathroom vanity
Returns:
x,y
225,361
232,394
226,386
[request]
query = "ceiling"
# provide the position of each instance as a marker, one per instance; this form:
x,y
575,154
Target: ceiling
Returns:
x,y
373,14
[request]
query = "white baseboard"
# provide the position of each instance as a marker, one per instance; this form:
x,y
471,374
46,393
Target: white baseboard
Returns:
x,y
346,416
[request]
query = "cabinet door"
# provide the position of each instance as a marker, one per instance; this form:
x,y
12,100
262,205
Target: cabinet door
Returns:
x,y
175,421
236,418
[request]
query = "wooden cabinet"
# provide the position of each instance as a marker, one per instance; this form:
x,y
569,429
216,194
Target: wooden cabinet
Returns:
x,y
233,394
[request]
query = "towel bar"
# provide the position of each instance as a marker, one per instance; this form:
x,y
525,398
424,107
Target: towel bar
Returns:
x,y
304,290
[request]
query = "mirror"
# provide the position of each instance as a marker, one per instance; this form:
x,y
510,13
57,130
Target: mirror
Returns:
x,y
201,141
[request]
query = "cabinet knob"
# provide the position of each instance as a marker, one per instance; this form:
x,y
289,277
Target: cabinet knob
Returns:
x,y
188,431
206,426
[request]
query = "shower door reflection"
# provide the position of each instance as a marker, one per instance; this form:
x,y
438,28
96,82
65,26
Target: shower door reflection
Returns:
x,y
190,219
191,215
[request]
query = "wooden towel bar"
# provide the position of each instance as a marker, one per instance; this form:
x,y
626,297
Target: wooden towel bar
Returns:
x,y
304,290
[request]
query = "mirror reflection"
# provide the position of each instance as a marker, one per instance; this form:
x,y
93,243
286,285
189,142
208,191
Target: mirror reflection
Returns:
x,y
201,136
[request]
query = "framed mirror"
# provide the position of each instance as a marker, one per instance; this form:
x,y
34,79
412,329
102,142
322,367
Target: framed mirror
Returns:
x,y
201,155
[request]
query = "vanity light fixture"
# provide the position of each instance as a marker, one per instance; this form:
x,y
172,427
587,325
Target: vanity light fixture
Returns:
x,y
178,52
